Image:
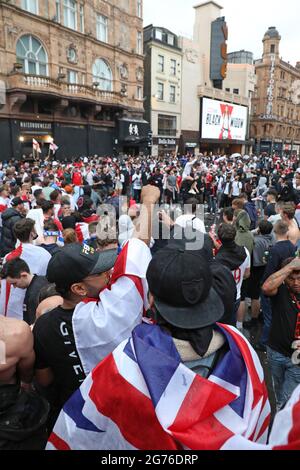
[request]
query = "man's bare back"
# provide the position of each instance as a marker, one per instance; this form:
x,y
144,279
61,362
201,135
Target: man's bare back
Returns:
x,y
16,351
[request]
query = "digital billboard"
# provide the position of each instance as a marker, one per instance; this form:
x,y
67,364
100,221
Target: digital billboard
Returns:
x,y
223,121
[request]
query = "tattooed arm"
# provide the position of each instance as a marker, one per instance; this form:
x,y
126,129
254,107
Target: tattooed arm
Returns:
x,y
272,284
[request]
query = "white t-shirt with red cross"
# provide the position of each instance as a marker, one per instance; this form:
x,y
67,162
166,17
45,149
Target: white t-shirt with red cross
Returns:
x,y
239,274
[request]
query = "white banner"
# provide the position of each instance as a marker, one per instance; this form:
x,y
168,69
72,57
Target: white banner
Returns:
x,y
223,121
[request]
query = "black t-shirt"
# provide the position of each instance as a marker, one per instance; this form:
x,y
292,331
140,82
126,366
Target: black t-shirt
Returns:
x,y
280,252
270,209
284,321
55,348
31,300
158,180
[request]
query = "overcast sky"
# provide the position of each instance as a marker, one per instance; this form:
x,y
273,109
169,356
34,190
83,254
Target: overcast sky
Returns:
x,y
247,22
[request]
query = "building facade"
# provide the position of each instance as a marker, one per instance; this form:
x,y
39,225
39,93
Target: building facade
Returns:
x,y
275,120
72,71
207,107
240,57
163,67
241,80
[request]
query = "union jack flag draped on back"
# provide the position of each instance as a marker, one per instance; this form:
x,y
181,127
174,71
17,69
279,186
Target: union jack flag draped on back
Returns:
x,y
143,397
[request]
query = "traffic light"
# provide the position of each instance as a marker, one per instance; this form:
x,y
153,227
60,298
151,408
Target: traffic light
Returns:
x,y
150,137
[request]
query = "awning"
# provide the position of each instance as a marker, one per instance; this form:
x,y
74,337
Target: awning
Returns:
x,y
133,131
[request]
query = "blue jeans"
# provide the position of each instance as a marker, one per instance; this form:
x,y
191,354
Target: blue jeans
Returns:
x,y
212,204
285,376
267,316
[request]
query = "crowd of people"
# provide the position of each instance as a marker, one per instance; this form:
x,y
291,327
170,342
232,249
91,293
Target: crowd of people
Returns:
x,y
112,320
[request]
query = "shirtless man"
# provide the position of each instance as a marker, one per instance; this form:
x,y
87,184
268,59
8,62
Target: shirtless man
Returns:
x,y
287,213
16,352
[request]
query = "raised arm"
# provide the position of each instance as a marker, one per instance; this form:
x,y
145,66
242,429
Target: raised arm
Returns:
x,y
272,284
149,197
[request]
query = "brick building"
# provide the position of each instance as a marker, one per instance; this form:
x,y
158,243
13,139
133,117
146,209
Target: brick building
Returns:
x,y
71,71
275,120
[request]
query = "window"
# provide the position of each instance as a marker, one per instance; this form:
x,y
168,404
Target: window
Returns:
x,y
72,77
102,28
173,67
81,17
139,8
282,75
57,10
139,93
172,94
171,39
236,91
167,125
32,55
31,6
227,89
161,63
139,43
272,48
160,91
102,75
158,34
70,10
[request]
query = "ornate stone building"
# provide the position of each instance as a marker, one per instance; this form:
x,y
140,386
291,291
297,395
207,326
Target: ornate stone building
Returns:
x,y
71,71
275,121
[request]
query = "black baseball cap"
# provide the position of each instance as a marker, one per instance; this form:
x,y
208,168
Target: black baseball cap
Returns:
x,y
16,202
181,282
75,262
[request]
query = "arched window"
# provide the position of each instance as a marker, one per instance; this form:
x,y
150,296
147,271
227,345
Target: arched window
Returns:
x,y
32,55
102,75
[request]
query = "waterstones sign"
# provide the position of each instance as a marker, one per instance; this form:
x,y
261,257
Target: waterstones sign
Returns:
x,y
27,126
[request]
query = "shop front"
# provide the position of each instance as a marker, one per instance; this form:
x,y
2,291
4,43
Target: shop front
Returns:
x,y
278,147
218,147
25,132
189,142
296,149
133,137
72,140
265,146
166,145
287,148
